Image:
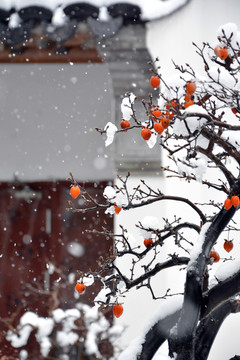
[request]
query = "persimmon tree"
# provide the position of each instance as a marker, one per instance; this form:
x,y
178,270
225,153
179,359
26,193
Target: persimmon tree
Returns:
x,y
195,121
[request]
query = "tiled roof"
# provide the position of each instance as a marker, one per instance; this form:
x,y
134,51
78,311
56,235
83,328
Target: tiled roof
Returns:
x,y
18,17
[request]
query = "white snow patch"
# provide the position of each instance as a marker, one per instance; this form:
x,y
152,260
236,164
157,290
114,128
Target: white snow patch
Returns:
x,y
58,315
167,307
59,17
126,106
197,247
109,192
75,249
103,14
28,322
110,129
23,354
50,268
230,30
88,280
232,137
149,224
102,295
66,339
14,21
202,142
153,139
115,197
222,76
22,338
225,270
110,210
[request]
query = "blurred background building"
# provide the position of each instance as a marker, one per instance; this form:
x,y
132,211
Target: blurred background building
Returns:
x,y
65,67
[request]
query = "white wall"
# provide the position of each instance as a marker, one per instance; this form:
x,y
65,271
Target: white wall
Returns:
x,y
48,113
171,38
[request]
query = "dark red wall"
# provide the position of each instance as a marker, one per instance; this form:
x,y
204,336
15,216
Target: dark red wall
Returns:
x,y
27,243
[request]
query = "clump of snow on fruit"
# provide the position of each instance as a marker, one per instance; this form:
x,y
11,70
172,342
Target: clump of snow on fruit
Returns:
x,y
148,225
114,197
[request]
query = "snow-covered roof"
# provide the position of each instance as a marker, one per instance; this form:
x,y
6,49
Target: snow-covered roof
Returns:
x,y
22,15
146,10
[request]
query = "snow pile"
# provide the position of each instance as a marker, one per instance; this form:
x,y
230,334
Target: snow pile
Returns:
x,y
196,167
29,322
232,137
102,296
192,122
221,76
228,32
148,225
93,327
225,271
167,307
97,327
88,280
175,88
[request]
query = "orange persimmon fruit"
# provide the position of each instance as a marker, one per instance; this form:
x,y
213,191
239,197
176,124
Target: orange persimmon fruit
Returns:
x,y
191,88
148,242
172,104
189,103
215,256
222,53
146,133
158,127
74,191
235,200
187,97
228,204
80,287
117,310
125,124
169,114
155,81
228,245
156,114
165,122
117,209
